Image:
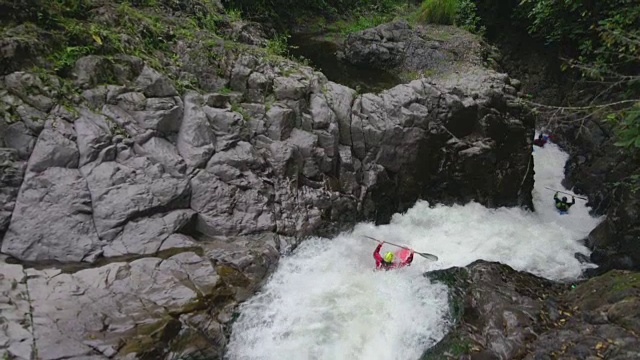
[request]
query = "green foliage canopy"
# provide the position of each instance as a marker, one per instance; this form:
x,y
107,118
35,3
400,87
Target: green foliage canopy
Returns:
x,y
602,39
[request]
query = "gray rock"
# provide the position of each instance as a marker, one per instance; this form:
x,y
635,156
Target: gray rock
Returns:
x,y
226,173
224,121
584,322
113,91
223,101
30,89
11,175
329,139
132,101
63,113
122,192
243,157
93,135
146,236
340,99
127,68
239,76
287,88
321,114
161,114
299,213
177,241
196,140
226,142
305,142
52,219
155,85
95,98
280,122
227,210
165,153
98,309
400,147
397,45
32,117
307,145
18,137
123,119
348,168
53,149
285,159
93,70
258,86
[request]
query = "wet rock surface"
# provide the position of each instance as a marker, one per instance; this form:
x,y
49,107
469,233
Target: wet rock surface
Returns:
x,y
122,309
499,313
605,173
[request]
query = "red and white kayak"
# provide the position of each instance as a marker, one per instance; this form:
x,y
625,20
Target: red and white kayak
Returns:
x,y
403,254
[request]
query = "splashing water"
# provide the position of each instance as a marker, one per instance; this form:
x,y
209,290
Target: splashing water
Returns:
x,y
326,302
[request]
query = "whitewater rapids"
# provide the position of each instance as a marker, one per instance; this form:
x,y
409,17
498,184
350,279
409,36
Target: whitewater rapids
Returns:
x,y
325,301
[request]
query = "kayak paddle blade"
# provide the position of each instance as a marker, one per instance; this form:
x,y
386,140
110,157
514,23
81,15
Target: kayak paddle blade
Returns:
x,y
428,256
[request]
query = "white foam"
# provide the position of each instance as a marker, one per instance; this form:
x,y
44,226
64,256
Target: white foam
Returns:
x,y
325,301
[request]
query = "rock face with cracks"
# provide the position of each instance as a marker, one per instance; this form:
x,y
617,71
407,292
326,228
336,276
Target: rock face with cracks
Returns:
x,y
499,313
135,219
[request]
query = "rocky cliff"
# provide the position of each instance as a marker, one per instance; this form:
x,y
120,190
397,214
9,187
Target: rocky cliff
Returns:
x,y
136,213
608,175
499,313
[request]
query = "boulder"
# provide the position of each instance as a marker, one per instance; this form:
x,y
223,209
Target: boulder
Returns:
x,y
163,152
103,310
52,219
499,313
17,136
147,236
161,114
340,99
93,135
93,70
321,113
401,46
30,89
228,210
196,140
288,88
154,85
242,156
53,149
123,192
280,122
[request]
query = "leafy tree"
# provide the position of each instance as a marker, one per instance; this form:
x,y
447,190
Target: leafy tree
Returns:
x,y
601,39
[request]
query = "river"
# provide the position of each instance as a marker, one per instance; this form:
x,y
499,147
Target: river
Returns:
x,y
325,301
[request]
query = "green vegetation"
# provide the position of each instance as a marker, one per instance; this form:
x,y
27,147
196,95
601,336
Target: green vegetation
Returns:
x,y
438,11
71,29
462,13
601,41
288,11
358,23
278,45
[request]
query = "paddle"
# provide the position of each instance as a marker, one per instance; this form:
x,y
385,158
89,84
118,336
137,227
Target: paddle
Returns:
x,y
424,255
562,192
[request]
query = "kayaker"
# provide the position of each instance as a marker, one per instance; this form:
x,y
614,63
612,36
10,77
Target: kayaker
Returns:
x,y
387,262
563,205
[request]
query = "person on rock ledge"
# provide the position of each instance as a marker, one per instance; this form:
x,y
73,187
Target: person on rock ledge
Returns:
x,y
387,263
563,205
